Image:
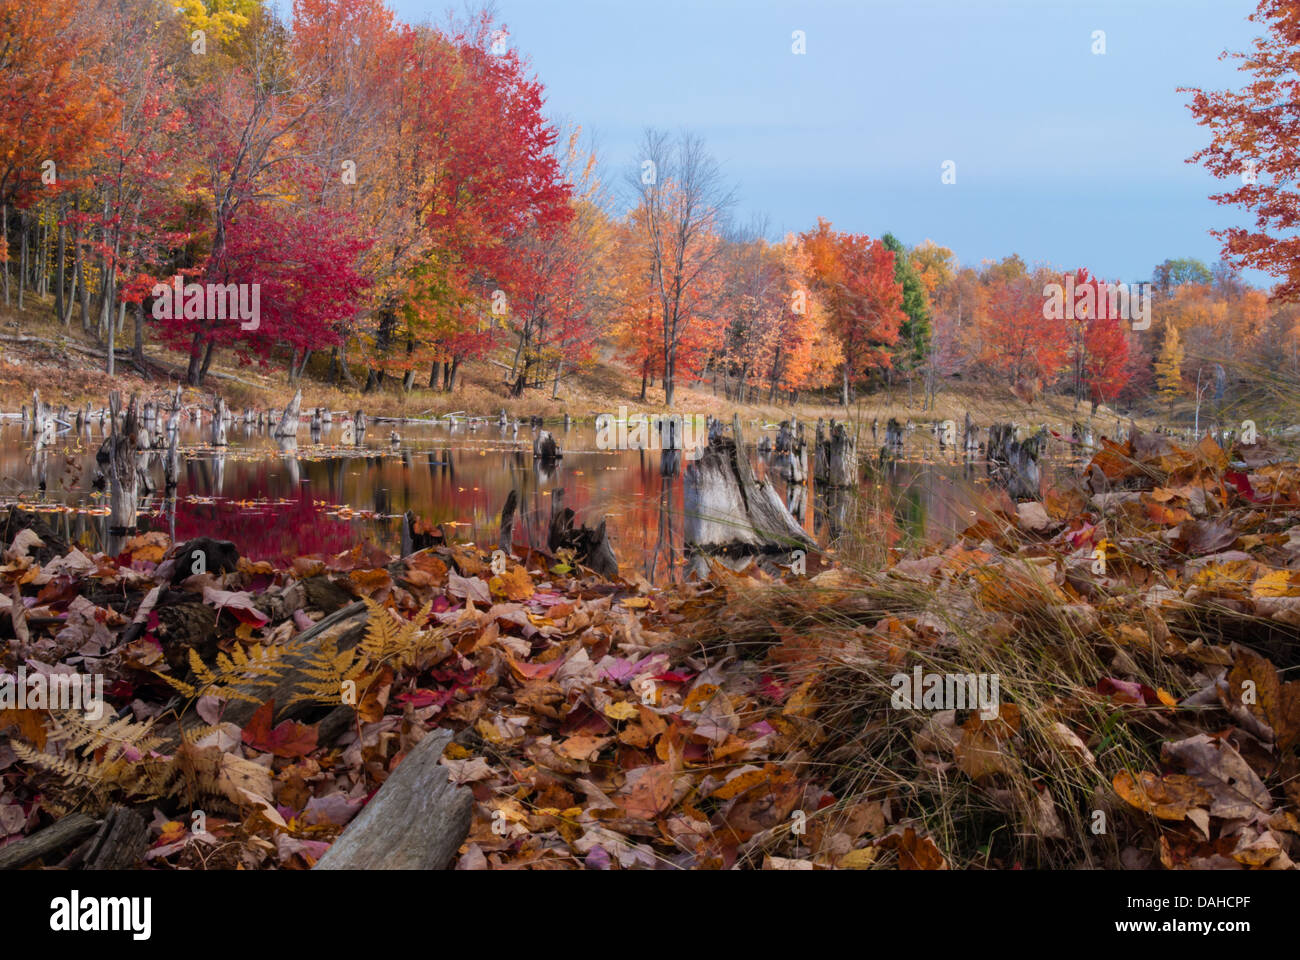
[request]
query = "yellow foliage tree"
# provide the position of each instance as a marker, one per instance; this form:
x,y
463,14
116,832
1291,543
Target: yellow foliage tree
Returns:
x,y
1169,366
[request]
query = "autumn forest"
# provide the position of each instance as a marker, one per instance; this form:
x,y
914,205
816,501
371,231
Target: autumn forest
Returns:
x,y
394,477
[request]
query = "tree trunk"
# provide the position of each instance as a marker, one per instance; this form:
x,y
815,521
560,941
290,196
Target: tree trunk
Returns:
x,y
207,360
58,288
137,352
196,358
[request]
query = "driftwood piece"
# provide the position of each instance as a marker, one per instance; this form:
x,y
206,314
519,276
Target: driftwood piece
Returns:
x,y
417,820
730,512
60,835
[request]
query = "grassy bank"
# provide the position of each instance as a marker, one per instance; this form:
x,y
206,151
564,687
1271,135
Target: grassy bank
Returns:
x,y
38,352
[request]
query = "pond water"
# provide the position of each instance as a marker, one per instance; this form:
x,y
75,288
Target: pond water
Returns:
x,y
325,497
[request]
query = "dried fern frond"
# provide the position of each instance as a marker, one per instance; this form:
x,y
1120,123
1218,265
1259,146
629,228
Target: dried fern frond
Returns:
x,y
394,640
326,670
235,675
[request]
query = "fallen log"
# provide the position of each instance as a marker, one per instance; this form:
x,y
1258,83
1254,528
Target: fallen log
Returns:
x,y
347,625
60,835
417,820
120,842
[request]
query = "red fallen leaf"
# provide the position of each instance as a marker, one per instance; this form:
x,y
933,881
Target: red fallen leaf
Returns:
x,y
582,719
673,676
1128,691
121,690
770,688
1082,536
1241,483
423,698
535,671
289,739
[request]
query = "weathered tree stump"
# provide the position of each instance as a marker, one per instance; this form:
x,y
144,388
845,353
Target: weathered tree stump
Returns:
x,y
508,509
730,513
840,460
546,447
417,536
819,450
1013,460
417,820
288,425
894,435
590,547
219,423
123,475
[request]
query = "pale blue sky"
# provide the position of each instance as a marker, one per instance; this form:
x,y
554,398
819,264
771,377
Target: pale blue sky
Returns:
x,y
1062,156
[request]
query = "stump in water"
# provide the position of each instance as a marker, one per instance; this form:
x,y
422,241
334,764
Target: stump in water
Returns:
x,y
123,477
545,447
840,457
590,547
731,514
172,461
507,536
288,425
219,423
894,435
795,464
418,535
970,436
819,451
1013,460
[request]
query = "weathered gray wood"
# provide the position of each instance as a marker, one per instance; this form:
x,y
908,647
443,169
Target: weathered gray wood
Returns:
x,y
120,842
729,511
219,423
123,476
417,820
1013,460
71,829
840,461
288,425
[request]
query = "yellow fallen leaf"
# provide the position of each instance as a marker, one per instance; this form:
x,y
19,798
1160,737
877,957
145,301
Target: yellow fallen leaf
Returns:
x,y
858,859
622,710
